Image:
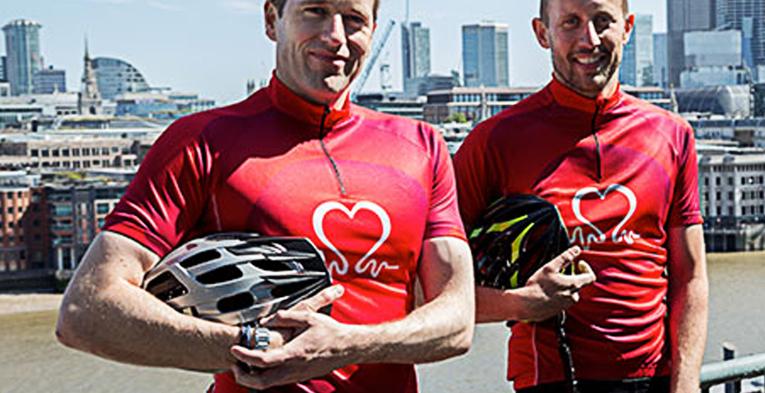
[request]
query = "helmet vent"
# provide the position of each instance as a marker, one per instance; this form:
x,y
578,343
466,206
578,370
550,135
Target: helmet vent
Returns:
x,y
166,287
274,266
202,257
218,276
238,302
289,289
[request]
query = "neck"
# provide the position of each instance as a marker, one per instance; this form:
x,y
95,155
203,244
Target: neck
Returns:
x,y
606,92
335,101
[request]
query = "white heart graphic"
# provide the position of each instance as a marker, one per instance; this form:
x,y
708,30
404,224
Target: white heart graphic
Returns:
x,y
342,266
617,237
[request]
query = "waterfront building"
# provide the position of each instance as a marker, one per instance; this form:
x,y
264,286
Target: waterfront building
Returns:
x,y
749,17
637,61
477,104
66,152
684,16
415,56
732,192
730,101
22,46
740,132
485,55
660,64
115,77
394,104
15,199
17,111
49,81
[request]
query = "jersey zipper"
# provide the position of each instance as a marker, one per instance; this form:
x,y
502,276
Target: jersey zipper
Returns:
x,y
594,131
335,169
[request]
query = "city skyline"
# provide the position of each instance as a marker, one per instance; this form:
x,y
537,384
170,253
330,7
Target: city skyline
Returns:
x,y
220,45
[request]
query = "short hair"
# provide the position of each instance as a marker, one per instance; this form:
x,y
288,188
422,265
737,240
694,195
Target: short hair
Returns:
x,y
543,9
279,4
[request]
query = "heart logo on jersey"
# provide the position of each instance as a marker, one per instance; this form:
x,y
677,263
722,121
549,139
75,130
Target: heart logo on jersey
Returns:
x,y
365,263
617,235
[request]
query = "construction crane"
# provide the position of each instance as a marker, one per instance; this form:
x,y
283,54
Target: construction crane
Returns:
x,y
378,48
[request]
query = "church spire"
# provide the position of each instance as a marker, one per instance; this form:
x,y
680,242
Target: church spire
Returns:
x,y
90,97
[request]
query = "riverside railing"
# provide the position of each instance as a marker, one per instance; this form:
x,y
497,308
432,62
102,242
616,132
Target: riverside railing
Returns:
x,y
732,370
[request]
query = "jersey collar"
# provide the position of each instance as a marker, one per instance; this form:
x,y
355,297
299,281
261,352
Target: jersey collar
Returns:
x,y
298,107
567,97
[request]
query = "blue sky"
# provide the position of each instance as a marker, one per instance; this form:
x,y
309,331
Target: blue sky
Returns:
x,y
212,47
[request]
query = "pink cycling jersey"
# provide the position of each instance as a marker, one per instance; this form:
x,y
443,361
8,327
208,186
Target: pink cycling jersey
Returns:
x,y
622,172
366,188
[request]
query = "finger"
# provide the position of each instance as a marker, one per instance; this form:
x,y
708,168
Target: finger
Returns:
x,y
248,378
575,297
288,319
563,260
321,299
261,359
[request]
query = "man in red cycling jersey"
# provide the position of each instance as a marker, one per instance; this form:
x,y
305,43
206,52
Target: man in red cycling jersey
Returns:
x,y
374,192
623,174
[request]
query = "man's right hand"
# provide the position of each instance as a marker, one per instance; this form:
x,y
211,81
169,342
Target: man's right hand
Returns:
x,y
548,291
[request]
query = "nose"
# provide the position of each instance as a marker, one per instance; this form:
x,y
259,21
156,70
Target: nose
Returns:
x,y
335,33
591,36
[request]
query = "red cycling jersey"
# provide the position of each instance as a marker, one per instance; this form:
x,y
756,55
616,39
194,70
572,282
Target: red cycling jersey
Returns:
x,y
622,172
366,188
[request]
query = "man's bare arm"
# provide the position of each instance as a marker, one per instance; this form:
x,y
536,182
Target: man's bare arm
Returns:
x,y
688,306
547,293
440,328
105,312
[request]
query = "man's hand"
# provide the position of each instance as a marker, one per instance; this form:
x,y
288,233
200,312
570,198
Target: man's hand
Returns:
x,y
548,291
546,294
316,348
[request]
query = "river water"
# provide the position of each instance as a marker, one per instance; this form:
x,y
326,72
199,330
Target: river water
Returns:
x,y
32,361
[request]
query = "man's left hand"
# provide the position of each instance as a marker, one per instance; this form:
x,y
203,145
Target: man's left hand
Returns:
x,y
320,346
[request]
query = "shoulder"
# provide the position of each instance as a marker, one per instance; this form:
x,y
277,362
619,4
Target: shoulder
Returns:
x,y
401,129
659,120
525,113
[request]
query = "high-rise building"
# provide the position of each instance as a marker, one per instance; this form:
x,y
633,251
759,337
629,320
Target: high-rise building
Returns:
x,y
637,62
749,17
3,78
22,46
48,81
115,77
684,16
485,55
660,65
415,55
714,58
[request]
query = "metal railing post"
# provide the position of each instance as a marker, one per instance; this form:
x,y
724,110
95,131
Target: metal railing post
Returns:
x,y
729,353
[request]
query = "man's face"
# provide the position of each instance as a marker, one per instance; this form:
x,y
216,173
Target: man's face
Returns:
x,y
586,38
321,45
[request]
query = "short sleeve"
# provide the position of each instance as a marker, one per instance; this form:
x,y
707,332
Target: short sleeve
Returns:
x,y
169,192
443,217
473,176
685,208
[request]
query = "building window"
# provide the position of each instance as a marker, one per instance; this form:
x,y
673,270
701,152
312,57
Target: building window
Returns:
x,y
35,153
731,181
717,180
45,153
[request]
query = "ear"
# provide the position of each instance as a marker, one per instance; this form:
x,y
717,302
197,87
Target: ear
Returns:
x,y
629,24
540,31
270,14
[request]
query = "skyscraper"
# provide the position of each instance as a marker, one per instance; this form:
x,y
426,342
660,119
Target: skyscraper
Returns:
x,y
749,17
685,16
3,78
660,66
49,81
637,62
22,46
485,55
415,55
116,76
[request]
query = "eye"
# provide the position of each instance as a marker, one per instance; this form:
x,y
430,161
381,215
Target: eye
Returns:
x,y
316,11
602,22
570,22
355,20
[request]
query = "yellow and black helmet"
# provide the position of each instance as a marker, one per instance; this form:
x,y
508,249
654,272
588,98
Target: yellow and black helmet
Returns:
x,y
516,236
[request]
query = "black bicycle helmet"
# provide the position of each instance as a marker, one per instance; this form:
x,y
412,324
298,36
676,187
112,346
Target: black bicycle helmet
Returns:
x,y
517,235
238,278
